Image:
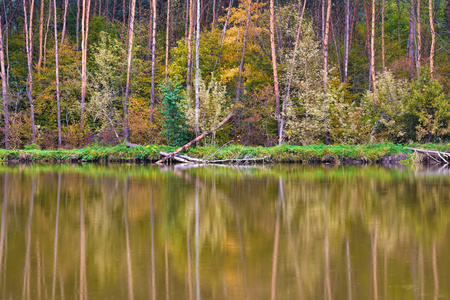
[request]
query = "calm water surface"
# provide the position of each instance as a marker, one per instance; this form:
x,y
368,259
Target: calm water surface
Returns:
x,y
279,232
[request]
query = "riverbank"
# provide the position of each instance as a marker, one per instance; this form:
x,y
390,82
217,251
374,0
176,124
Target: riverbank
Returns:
x,y
346,154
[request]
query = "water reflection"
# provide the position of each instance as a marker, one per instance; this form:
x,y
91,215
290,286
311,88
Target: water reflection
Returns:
x,y
285,232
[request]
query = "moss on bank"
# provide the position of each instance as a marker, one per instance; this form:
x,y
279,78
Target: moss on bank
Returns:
x,y
369,153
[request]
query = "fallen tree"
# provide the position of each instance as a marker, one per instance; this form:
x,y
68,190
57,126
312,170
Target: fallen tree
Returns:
x,y
436,156
197,139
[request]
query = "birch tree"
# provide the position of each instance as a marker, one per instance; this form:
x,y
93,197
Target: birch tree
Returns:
x,y
129,55
84,39
58,108
433,37
152,100
29,46
326,25
197,67
4,84
275,69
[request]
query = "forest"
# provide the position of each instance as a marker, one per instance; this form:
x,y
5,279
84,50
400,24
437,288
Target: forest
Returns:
x,y
300,72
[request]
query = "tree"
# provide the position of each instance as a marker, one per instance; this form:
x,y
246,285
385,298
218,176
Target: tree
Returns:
x,y
325,67
29,49
129,55
197,68
174,120
152,92
275,69
433,34
57,75
4,84
84,39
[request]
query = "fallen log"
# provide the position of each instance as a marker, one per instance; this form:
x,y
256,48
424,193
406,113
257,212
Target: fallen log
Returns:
x,y
437,156
197,139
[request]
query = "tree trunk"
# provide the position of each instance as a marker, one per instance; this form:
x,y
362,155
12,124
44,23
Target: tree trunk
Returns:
x,y
367,42
189,47
29,49
63,33
214,14
419,38
291,70
448,19
372,50
399,20
4,91
150,32
244,46
383,46
113,13
355,18
41,35
346,38
50,8
129,56
196,140
275,68
84,39
433,36
78,25
325,70
152,101
197,68
58,107
410,46
167,38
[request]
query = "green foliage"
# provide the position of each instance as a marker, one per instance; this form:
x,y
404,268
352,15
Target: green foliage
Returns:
x,y
173,115
431,106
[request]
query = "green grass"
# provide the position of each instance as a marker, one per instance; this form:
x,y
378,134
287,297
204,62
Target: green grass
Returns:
x,y
281,154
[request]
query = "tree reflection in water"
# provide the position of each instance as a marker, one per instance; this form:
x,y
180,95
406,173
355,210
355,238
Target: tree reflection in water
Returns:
x,y
284,232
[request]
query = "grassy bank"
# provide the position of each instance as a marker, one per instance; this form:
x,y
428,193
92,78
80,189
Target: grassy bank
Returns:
x,y
368,153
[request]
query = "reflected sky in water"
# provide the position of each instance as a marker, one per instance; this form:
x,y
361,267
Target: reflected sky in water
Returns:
x,y
277,232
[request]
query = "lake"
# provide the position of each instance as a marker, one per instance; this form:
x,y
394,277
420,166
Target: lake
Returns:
x,y
263,232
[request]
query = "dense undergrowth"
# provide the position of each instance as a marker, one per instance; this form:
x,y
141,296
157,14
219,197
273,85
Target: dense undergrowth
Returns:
x,y
281,154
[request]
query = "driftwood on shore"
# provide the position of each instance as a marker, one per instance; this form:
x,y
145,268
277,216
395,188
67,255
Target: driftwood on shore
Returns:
x,y
191,160
436,156
197,139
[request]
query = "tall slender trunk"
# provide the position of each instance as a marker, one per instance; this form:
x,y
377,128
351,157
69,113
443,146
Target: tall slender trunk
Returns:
x,y
167,38
419,38
78,25
325,70
113,12
214,14
84,39
291,70
63,33
346,38
189,46
41,35
29,49
433,36
129,56
383,46
186,21
58,107
50,8
244,46
4,85
152,104
197,68
372,49
367,42
355,18
275,68
150,32
410,46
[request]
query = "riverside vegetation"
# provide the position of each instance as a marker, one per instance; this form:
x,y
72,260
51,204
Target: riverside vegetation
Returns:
x,y
368,153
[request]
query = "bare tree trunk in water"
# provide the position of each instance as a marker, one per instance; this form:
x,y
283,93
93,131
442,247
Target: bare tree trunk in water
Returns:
x,y
129,56
275,68
152,101
197,68
276,241
55,248
433,35
244,46
29,49
58,107
167,39
4,91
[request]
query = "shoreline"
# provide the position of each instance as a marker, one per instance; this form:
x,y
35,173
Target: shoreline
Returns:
x,y
384,153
